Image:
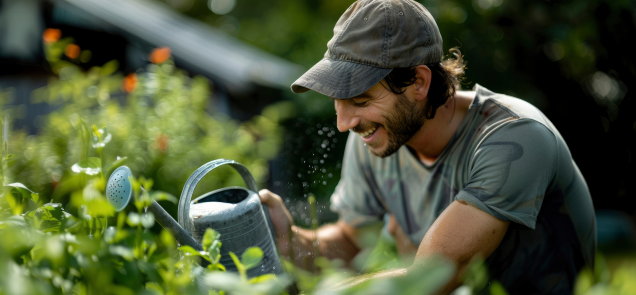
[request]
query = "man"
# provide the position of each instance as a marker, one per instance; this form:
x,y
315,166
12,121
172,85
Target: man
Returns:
x,y
460,172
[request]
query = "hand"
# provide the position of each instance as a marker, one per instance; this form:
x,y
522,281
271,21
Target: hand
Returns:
x,y
281,219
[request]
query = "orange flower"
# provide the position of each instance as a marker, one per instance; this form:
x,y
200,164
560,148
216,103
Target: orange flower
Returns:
x,y
159,55
161,142
51,35
130,82
72,51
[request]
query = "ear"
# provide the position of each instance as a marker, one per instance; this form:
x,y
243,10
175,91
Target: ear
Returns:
x,y
422,82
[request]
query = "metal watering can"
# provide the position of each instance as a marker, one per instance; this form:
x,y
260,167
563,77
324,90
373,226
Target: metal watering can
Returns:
x,y
235,212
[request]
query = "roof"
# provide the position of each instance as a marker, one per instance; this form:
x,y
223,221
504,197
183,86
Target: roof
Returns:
x,y
237,65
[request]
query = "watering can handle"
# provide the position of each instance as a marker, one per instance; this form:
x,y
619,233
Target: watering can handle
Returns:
x,y
193,180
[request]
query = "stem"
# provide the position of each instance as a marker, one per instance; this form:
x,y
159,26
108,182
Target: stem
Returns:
x,y
101,158
100,222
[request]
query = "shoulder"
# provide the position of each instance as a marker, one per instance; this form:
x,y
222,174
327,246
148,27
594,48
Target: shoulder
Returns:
x,y
524,143
515,107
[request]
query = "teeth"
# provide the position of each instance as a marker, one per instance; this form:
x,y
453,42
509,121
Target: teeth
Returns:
x,y
368,132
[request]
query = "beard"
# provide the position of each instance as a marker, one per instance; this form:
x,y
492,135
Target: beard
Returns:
x,y
401,123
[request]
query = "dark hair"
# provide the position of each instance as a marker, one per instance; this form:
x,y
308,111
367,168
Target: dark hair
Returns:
x,y
445,79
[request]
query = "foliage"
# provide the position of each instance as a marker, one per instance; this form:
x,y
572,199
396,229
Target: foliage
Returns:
x,y
604,281
164,127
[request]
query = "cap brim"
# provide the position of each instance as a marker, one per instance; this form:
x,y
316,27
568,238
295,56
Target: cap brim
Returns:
x,y
339,79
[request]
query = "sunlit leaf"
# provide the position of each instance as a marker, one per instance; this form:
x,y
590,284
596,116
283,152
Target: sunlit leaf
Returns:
x,y
125,252
147,220
214,251
24,191
103,142
209,237
100,207
83,213
163,196
133,219
251,257
47,218
189,251
216,266
14,203
110,234
90,166
15,221
262,278
115,165
239,266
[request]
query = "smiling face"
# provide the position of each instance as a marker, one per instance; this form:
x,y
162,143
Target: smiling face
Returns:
x,y
384,120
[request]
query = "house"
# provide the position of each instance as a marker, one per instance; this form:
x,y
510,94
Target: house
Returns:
x,y
245,78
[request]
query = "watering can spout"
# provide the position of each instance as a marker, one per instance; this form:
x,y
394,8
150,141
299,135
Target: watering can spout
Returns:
x,y
171,225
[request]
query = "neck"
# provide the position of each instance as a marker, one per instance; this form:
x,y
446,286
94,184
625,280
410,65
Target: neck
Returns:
x,y
429,142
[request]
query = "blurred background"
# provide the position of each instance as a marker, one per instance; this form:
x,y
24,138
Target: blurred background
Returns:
x,y
182,82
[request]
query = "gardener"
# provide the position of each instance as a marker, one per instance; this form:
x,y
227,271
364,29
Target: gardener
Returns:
x,y
459,173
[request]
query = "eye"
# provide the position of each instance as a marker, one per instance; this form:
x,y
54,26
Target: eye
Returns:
x,y
360,104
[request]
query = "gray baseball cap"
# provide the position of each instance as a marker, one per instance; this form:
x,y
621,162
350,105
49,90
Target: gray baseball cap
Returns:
x,y
370,39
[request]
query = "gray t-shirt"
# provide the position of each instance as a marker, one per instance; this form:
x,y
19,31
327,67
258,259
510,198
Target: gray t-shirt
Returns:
x,y
507,159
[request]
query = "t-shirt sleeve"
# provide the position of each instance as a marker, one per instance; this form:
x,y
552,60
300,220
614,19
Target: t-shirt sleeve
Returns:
x,y
511,171
356,198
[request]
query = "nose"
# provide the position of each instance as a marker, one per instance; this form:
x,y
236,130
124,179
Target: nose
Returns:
x,y
345,113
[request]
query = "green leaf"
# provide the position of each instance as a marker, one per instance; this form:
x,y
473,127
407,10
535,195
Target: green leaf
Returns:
x,y
83,213
154,288
100,207
497,289
22,189
133,219
125,252
189,251
115,165
251,257
214,251
14,203
96,131
262,278
47,218
216,266
209,237
212,245
144,200
163,196
15,221
147,220
102,143
90,166
239,266
110,67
